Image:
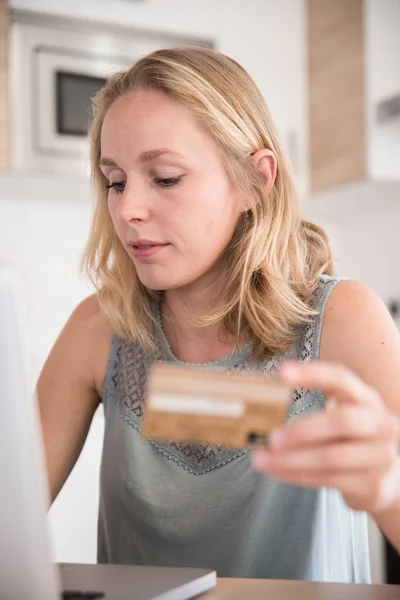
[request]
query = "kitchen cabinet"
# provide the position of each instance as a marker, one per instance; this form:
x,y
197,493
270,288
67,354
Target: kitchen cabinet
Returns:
x,y
354,91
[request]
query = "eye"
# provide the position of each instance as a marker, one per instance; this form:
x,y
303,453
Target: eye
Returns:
x,y
118,185
167,182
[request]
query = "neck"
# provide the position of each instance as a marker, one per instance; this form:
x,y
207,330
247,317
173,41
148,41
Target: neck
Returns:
x,y
189,341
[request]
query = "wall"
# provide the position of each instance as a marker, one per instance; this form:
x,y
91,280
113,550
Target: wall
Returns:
x,y
363,222
276,59
43,226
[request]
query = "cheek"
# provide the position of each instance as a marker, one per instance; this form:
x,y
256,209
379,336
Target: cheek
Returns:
x,y
212,205
219,217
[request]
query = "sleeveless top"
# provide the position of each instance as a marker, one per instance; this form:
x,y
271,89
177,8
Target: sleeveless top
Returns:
x,y
187,505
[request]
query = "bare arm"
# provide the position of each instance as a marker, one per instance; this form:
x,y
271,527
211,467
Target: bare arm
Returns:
x,y
68,389
354,446
359,332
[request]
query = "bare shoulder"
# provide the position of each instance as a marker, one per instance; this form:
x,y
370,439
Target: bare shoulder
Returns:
x,y
87,335
87,309
87,321
359,332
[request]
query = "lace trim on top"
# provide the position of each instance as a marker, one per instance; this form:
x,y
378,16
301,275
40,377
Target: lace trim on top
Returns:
x,y
227,362
129,367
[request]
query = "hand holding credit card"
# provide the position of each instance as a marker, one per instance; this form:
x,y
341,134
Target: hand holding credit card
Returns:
x,y
189,404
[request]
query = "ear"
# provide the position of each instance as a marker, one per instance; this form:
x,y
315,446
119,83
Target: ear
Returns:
x,y
266,164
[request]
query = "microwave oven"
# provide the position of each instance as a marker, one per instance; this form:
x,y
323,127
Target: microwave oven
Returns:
x,y
57,65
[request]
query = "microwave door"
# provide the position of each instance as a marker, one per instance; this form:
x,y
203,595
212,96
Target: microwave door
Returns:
x,y
73,93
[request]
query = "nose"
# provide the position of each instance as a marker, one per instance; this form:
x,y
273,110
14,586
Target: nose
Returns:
x,y
133,206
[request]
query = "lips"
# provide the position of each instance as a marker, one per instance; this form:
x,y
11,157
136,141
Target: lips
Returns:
x,y
144,249
143,243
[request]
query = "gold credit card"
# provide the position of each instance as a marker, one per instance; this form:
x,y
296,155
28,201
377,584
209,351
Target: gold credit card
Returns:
x,y
189,404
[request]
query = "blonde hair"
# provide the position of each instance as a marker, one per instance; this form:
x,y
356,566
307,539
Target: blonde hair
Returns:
x,y
274,259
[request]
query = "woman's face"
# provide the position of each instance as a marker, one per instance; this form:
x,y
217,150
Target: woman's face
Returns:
x,y
172,203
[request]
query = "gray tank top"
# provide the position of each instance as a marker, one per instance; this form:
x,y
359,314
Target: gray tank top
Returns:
x,y
177,504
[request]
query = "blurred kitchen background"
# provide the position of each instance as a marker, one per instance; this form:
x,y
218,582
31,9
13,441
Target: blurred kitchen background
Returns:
x,y
330,72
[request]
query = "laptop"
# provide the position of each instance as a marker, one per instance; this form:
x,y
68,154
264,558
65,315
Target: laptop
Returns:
x,y
26,569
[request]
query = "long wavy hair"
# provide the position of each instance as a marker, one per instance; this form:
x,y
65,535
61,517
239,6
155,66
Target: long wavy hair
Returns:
x,y
274,259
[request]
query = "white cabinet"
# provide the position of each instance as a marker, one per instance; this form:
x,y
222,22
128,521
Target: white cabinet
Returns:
x,y
382,31
382,39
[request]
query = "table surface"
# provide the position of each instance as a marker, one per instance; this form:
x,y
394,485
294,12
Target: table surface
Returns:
x,y
257,589
118,581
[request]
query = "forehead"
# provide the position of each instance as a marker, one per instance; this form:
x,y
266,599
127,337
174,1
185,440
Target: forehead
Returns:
x,y
145,104
145,118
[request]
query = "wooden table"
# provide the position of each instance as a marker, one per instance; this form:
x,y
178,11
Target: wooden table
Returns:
x,y
269,589
118,581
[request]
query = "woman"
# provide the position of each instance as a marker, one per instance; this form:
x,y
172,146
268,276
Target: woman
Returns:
x,y
199,256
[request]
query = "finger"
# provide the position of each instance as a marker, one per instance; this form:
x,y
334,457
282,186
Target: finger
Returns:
x,y
333,379
343,423
330,459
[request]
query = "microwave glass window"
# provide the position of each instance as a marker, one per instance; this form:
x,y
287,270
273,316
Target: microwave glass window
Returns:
x,y
74,92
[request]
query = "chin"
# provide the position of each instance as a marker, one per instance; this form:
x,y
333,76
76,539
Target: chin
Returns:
x,y
159,284
163,281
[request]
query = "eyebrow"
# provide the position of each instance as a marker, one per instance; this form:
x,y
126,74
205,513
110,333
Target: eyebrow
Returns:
x,y
144,157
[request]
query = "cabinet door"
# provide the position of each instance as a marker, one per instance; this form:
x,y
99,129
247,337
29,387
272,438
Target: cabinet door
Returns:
x,y
336,92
